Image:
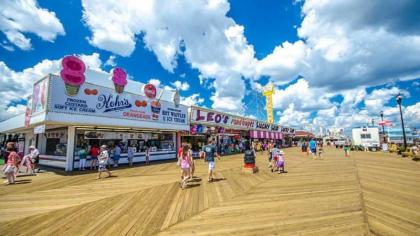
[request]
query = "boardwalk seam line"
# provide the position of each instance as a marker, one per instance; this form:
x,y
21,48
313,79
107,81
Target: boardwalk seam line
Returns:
x,y
365,216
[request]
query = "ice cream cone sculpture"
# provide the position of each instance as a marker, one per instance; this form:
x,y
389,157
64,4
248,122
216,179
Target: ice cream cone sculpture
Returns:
x,y
119,77
72,74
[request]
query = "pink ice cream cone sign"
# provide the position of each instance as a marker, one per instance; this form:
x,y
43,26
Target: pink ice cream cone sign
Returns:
x,y
119,77
72,74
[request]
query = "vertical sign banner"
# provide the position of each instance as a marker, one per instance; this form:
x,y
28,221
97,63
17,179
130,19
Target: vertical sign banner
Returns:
x,y
39,96
28,112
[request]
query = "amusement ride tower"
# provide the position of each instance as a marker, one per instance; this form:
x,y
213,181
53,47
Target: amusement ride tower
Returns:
x,y
268,92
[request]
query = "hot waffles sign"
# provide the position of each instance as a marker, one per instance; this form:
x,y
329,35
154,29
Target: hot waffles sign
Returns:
x,y
93,100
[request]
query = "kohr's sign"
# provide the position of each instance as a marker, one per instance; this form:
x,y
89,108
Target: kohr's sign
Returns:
x,y
94,100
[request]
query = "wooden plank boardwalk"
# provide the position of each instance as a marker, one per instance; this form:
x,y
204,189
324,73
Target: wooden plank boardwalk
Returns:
x,y
368,193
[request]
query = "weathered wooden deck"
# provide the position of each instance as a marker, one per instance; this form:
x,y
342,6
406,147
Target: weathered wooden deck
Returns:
x,y
368,193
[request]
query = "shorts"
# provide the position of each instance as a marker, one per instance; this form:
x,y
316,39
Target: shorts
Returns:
x,y
211,165
9,169
116,158
313,150
102,167
280,164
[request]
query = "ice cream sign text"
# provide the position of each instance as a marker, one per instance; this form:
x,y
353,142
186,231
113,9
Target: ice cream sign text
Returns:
x,y
110,103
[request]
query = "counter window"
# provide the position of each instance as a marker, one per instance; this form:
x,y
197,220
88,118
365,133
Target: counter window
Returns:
x,y
140,141
56,144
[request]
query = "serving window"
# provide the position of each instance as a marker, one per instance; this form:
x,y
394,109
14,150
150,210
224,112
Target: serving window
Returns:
x,y
162,141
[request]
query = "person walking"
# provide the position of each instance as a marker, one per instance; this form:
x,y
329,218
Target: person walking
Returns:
x,y
82,157
117,155
11,164
185,163
103,161
312,147
209,153
147,155
346,149
94,152
27,162
130,155
34,154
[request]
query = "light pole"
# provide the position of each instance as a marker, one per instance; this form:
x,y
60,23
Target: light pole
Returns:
x,y
399,98
383,126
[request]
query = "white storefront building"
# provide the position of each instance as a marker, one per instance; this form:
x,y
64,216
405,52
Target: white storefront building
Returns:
x,y
60,121
366,136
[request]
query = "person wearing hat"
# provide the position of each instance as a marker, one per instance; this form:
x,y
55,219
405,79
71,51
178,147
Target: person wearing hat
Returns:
x,y
103,161
34,154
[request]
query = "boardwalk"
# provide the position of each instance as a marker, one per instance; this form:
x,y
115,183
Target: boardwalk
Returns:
x,y
367,193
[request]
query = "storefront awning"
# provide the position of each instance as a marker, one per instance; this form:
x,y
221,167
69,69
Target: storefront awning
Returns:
x,y
265,134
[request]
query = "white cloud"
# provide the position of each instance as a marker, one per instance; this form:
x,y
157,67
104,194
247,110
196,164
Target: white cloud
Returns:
x,y
303,97
211,43
155,82
183,86
284,63
111,61
16,86
19,17
352,43
193,100
412,115
377,99
343,48
292,117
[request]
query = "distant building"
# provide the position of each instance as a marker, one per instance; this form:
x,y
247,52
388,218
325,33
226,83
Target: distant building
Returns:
x,y
366,136
335,136
395,135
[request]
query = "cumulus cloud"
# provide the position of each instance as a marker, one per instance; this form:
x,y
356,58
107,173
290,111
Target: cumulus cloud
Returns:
x,y
20,17
111,61
354,43
211,43
303,97
16,86
193,100
183,86
155,82
292,117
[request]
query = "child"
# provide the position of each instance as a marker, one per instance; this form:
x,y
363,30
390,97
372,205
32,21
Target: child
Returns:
x,y
185,163
280,162
320,150
11,164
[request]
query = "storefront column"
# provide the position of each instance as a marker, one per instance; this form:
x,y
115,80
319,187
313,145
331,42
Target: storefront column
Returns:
x,y
178,141
71,132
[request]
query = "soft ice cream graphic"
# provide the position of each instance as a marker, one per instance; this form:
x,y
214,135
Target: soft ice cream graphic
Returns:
x,y
155,106
72,74
119,77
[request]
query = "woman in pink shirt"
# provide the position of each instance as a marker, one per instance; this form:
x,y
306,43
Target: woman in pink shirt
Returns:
x,y
11,164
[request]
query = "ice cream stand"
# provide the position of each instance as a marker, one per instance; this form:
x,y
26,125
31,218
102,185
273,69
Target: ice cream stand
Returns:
x,y
79,107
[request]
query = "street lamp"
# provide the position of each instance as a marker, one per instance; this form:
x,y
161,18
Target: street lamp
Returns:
x,y
399,98
383,125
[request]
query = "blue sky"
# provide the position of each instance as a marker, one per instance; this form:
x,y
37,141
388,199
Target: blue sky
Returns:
x,y
330,68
